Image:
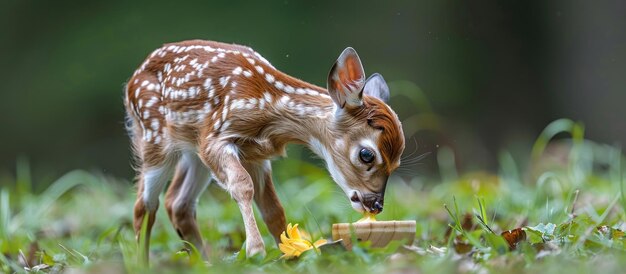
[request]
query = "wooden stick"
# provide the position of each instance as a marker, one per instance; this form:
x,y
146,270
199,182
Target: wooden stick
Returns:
x,y
379,233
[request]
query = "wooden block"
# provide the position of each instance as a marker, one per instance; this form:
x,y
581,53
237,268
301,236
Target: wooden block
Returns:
x,y
380,233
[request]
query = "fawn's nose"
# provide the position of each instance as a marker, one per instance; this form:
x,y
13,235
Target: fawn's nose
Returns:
x,y
374,203
378,206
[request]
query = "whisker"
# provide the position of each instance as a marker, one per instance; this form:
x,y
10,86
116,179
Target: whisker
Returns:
x,y
412,152
338,192
407,172
405,169
416,159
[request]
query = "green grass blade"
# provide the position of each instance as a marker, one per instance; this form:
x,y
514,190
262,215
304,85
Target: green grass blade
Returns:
x,y
23,176
142,252
554,128
5,213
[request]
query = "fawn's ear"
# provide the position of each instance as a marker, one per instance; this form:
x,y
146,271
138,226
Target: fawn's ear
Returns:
x,y
346,80
376,86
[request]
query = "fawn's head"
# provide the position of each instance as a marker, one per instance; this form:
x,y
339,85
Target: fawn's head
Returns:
x,y
368,137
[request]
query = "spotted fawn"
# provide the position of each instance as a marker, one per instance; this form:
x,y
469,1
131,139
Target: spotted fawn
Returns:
x,y
202,111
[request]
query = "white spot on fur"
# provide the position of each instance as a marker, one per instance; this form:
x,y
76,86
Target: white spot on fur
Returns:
x,y
225,108
284,101
279,85
268,97
324,95
151,102
262,59
225,125
237,104
154,124
147,135
224,81
207,84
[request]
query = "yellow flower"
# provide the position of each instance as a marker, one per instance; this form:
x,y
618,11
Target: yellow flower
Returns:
x,y
367,217
296,242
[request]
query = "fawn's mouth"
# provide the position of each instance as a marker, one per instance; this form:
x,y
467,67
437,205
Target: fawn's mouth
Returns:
x,y
355,201
371,203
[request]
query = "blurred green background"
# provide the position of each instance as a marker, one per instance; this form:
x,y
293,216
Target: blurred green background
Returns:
x,y
481,75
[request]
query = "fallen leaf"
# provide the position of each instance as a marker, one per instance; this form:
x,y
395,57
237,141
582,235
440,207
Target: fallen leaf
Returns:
x,y
461,246
513,237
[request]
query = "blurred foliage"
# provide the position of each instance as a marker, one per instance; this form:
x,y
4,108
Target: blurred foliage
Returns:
x,y
494,72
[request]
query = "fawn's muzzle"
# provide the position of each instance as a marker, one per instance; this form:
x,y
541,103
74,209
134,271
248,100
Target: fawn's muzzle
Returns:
x,y
373,202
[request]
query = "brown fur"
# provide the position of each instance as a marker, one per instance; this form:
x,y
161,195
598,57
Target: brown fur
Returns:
x,y
391,141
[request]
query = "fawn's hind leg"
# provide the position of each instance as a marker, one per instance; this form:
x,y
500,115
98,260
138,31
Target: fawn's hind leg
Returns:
x,y
190,180
151,182
144,104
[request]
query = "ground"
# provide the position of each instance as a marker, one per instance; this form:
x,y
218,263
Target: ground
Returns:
x,y
564,213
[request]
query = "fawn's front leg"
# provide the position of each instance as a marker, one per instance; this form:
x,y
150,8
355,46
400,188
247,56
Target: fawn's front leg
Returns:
x,y
223,159
266,198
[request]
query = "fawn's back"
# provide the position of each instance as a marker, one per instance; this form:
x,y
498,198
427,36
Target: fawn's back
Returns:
x,y
202,88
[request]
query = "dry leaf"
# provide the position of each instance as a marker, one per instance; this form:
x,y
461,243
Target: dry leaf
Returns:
x,y
513,237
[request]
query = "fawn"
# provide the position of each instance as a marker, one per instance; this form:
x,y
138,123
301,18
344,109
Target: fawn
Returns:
x,y
200,111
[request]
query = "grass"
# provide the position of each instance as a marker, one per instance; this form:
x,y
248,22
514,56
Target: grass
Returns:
x,y
558,216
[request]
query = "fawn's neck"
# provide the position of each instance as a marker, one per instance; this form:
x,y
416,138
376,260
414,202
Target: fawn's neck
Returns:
x,y
305,113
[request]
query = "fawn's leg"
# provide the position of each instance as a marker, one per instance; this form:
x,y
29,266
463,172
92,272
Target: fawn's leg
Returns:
x,y
266,198
151,182
223,159
190,180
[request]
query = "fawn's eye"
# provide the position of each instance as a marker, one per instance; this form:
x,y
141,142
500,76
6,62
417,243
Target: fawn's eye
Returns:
x,y
366,155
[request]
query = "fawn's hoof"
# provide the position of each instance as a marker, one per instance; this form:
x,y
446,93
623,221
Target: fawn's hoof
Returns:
x,y
253,249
